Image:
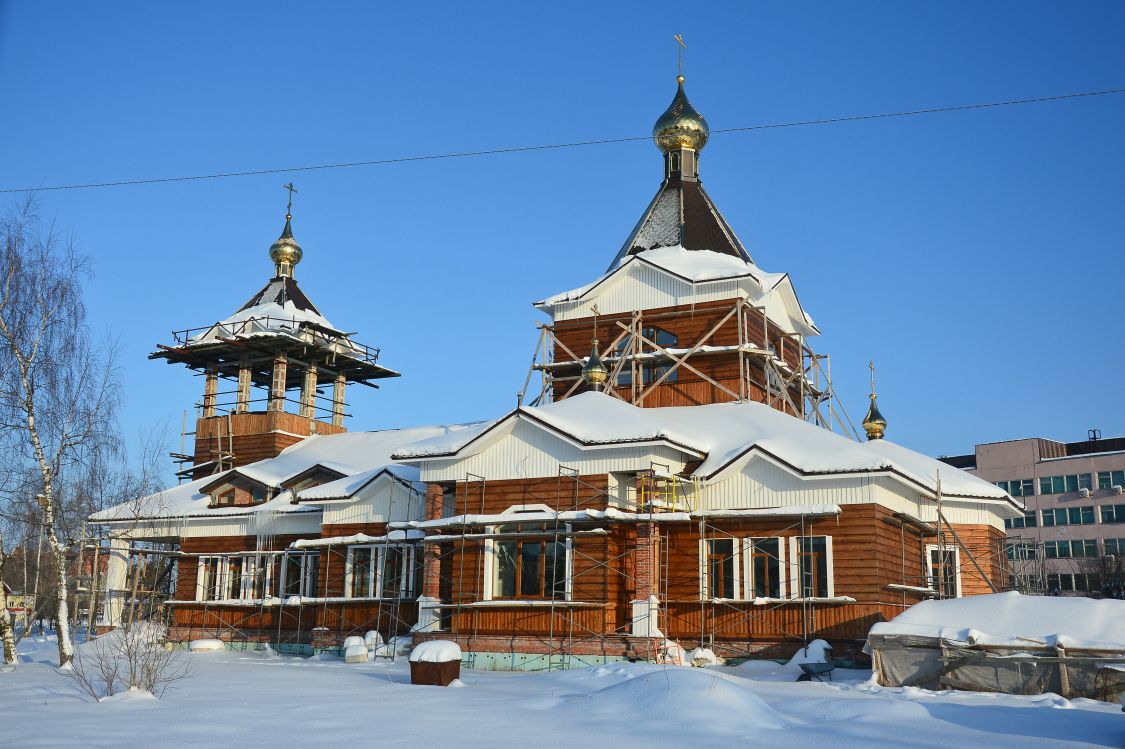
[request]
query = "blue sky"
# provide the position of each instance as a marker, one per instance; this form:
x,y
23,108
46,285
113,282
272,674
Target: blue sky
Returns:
x,y
977,257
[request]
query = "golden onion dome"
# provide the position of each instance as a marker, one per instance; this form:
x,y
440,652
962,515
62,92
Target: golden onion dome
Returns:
x,y
595,372
285,252
874,423
680,126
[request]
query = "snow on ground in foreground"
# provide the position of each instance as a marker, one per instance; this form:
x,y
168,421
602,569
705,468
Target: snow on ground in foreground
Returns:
x,y
254,700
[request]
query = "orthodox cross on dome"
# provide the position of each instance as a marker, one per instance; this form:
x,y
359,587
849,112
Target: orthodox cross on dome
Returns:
x,y
680,47
595,372
289,208
285,252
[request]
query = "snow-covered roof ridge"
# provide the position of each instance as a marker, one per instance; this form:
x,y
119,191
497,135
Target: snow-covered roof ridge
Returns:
x,y
280,307
725,435
1014,620
359,456
690,266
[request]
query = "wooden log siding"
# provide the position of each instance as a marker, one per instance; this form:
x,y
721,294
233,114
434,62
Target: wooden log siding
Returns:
x,y
689,323
561,493
257,435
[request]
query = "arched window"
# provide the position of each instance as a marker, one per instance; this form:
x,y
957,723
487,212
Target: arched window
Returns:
x,y
653,366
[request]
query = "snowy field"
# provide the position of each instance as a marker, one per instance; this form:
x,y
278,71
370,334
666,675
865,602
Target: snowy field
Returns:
x,y
271,701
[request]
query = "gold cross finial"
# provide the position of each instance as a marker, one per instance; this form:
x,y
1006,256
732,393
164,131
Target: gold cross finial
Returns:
x,y
680,56
289,208
594,309
871,365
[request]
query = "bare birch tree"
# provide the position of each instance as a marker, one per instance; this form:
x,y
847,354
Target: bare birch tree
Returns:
x,y
58,392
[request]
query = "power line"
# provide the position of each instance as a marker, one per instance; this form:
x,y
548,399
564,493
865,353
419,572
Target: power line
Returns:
x,y
555,146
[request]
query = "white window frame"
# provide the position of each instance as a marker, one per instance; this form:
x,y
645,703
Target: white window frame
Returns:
x,y
930,549
306,581
748,565
377,570
795,566
737,545
219,583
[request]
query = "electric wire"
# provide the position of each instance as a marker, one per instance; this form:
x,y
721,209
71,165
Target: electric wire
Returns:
x,y
556,146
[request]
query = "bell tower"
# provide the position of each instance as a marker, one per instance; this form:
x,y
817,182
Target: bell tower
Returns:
x,y
686,315
274,372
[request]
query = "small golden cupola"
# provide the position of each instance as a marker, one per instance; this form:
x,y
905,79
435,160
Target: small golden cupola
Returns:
x,y
595,372
874,423
285,252
680,126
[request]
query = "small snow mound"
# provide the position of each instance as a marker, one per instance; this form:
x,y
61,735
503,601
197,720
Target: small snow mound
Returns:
x,y
673,693
206,646
354,642
356,653
456,683
373,640
702,657
435,651
130,695
816,651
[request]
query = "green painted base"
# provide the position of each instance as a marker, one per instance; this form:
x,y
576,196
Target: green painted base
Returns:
x,y
242,647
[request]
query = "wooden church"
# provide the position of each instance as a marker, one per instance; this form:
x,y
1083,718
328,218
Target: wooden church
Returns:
x,y
683,477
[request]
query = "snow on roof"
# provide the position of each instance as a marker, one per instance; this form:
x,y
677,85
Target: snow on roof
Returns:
x,y
270,317
697,266
1011,619
348,485
725,433
349,453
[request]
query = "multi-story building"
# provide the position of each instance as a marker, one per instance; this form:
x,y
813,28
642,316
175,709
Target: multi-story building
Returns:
x,y
1071,539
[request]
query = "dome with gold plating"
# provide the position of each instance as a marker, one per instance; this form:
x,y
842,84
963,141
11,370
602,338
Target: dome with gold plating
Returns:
x,y
874,423
680,126
595,372
285,252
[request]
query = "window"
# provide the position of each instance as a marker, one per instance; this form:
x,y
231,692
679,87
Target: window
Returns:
x,y
1110,479
1114,546
812,558
650,370
1069,516
721,580
226,498
209,583
380,572
1027,521
944,567
299,574
529,568
1070,549
1064,484
1018,488
1113,513
1021,550
258,494
1067,583
765,566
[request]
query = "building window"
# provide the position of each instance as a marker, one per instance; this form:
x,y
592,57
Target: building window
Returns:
x,y
1018,487
812,558
1021,550
380,571
258,494
1070,549
764,565
1027,521
650,370
1110,479
944,569
1064,484
1114,546
721,565
299,574
1113,513
209,583
1067,583
1069,516
226,498
529,568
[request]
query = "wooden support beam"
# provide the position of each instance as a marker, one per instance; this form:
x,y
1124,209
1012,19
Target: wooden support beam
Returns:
x,y
338,400
242,400
277,386
210,388
308,393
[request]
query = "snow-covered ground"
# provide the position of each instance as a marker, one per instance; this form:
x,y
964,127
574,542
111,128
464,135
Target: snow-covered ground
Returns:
x,y
270,701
